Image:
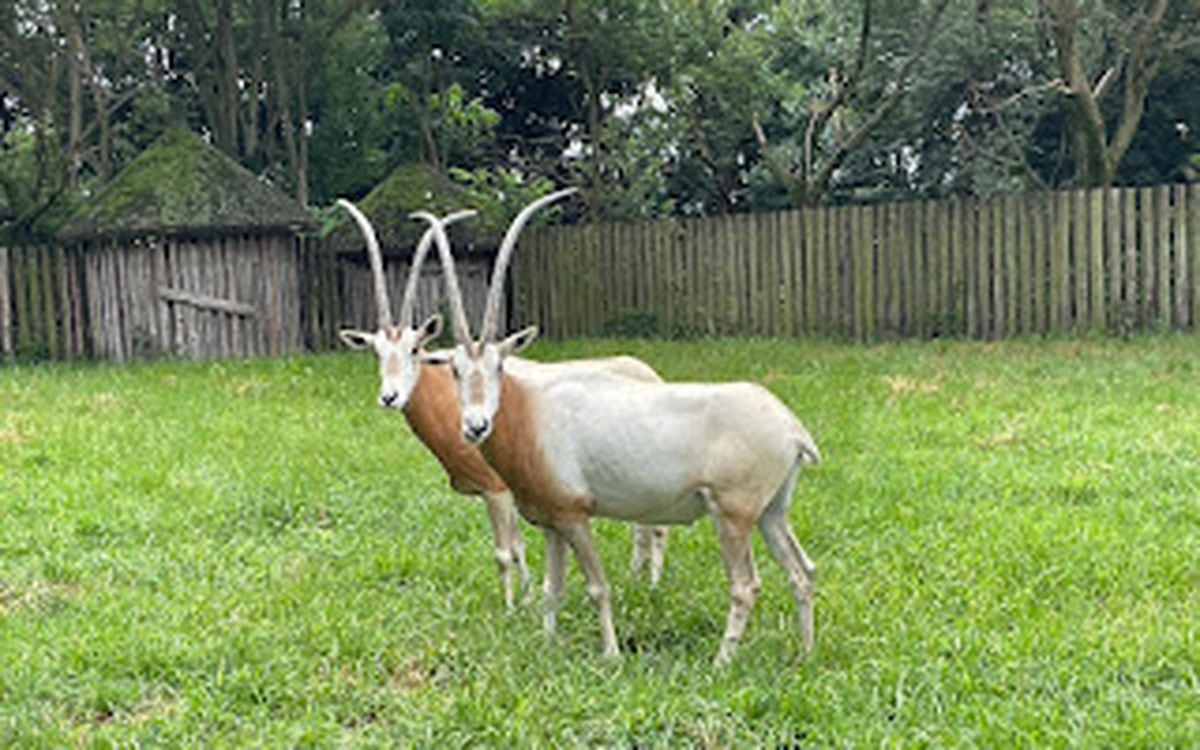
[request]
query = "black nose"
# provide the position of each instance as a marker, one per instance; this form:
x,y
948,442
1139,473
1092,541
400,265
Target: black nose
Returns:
x,y
474,428
387,399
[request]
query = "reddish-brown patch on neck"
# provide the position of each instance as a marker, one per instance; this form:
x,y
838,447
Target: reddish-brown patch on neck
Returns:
x,y
514,451
432,413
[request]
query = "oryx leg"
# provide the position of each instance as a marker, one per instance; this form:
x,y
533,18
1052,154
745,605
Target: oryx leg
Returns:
x,y
579,536
518,551
733,534
801,572
649,545
505,540
552,588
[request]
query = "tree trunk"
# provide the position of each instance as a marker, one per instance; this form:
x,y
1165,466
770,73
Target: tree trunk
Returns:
x,y
226,80
75,102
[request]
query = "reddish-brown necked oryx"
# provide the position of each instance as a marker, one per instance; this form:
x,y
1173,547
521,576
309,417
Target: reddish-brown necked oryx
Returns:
x,y
578,444
426,394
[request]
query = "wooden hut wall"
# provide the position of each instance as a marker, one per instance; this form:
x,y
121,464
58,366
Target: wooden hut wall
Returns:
x,y
358,291
199,298
41,310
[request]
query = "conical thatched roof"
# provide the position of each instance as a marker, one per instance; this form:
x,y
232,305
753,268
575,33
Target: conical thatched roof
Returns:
x,y
415,187
181,185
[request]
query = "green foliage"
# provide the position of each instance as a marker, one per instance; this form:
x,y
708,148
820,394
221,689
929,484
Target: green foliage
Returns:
x,y
31,207
253,554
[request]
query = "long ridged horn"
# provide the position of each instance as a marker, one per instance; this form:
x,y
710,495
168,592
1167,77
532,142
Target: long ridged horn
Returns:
x,y
491,313
414,273
382,302
458,315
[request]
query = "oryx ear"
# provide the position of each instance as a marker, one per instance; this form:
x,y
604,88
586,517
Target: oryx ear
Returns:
x,y
356,339
430,329
518,341
438,357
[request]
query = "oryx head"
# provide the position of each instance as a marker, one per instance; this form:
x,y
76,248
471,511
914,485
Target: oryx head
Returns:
x,y
398,346
477,364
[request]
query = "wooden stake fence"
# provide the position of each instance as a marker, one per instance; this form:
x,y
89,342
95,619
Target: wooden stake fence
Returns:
x,y
1113,260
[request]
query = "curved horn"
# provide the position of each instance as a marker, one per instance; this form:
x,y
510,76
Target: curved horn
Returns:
x,y
381,295
491,312
458,315
414,272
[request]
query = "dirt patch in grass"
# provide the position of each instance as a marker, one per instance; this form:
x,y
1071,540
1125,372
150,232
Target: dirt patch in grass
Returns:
x,y
903,385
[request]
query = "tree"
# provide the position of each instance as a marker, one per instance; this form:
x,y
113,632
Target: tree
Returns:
x,y
861,87
1120,50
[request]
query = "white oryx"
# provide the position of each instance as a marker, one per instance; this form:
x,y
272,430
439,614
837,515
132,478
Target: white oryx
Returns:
x,y
426,394
578,444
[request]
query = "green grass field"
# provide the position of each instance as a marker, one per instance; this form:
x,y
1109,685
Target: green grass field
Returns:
x,y
253,554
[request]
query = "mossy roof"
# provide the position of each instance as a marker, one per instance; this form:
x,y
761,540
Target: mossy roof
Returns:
x,y
182,185
415,187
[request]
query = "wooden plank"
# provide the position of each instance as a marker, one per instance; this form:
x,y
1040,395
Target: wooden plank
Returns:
x,y
811,263
1097,308
891,266
856,285
768,270
658,277
1181,317
1037,209
221,320
756,245
1193,232
785,300
129,261
919,269
960,227
666,296
1012,251
864,269
933,268
206,302
997,276
874,244
1146,256
522,278
732,247
703,273
36,311
1162,271
1079,258
60,314
1130,267
1059,253
121,260
682,299
847,269
843,278
101,286
77,294
943,228
981,267
87,258
1112,257
969,235
725,249
1023,290
605,274
920,277
575,245
568,275
6,339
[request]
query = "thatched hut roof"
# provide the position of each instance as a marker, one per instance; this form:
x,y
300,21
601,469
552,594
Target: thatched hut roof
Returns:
x,y
182,185
415,187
